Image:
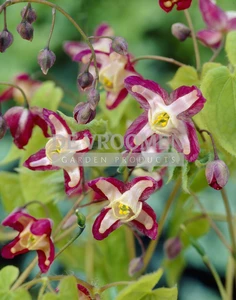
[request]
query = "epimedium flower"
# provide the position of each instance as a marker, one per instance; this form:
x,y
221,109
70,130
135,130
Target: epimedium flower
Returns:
x,y
126,205
167,5
21,122
217,174
165,115
61,145
26,83
113,69
218,23
34,234
72,47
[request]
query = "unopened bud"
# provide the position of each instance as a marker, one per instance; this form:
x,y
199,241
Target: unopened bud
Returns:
x,y
173,247
46,60
30,16
3,126
180,31
120,45
6,39
85,80
81,219
93,98
25,30
83,113
135,265
217,174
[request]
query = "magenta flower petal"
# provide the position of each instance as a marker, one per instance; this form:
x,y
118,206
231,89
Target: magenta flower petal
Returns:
x,y
39,120
231,21
210,38
57,124
72,48
7,252
39,162
46,256
18,220
135,81
83,292
114,99
20,121
84,139
72,175
105,224
146,222
213,15
6,94
84,57
42,226
167,5
103,29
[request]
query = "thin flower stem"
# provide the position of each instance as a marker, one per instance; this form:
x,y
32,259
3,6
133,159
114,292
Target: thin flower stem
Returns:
x,y
212,141
212,223
153,244
195,43
25,274
42,289
157,57
5,19
16,87
229,220
230,277
217,52
52,27
39,203
26,11
61,10
114,284
130,242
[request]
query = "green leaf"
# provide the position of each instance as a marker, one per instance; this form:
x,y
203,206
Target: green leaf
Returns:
x,y
166,293
95,126
209,66
47,96
185,75
141,287
230,47
10,191
13,154
219,113
67,290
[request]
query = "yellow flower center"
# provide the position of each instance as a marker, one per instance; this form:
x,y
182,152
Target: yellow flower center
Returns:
x,y
107,83
169,3
123,209
161,120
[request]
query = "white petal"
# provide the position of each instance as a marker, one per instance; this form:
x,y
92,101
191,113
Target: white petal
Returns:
x,y
182,103
59,127
80,145
145,219
112,193
143,134
183,138
41,162
107,222
74,174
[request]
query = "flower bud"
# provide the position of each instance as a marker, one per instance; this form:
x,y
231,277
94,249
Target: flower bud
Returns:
x,y
135,265
6,39
46,60
217,174
120,45
173,247
180,31
3,126
31,15
83,113
81,219
85,80
93,98
25,30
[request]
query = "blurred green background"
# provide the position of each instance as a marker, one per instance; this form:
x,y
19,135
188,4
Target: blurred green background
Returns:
x,y
148,31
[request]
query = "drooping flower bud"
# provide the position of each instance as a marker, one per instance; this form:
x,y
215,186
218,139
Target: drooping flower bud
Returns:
x,y
85,80
120,45
93,98
173,247
3,126
81,219
180,31
83,113
30,16
217,174
25,30
46,60
6,39
135,265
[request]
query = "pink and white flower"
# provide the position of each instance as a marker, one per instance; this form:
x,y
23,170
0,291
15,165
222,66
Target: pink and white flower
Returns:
x,y
113,69
167,5
126,206
26,83
21,122
62,145
34,234
165,115
72,47
218,23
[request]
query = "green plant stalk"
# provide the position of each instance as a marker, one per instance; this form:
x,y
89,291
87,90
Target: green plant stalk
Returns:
x,y
52,27
153,244
17,87
61,10
160,58
230,277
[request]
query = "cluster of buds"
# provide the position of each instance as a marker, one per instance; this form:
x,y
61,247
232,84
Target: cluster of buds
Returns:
x,y
25,28
6,38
